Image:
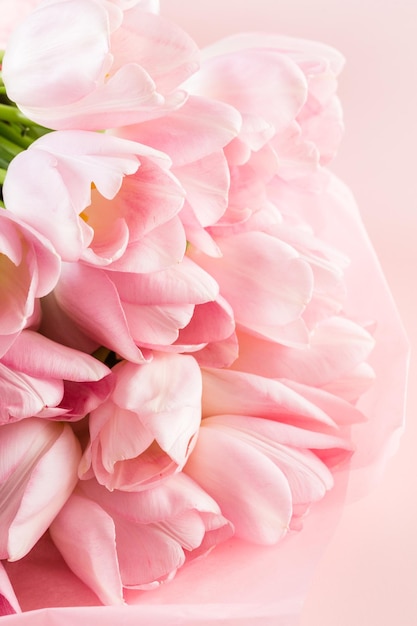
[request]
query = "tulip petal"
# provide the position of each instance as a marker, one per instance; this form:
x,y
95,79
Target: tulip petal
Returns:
x,y
146,554
261,83
89,549
250,489
38,78
90,298
257,294
50,484
38,356
195,130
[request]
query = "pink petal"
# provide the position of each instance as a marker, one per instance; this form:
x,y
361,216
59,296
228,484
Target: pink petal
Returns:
x,y
241,393
183,283
207,184
164,246
125,97
218,353
169,499
170,392
308,477
195,130
91,300
300,50
24,396
39,471
89,549
29,268
163,49
82,397
36,77
211,321
50,484
155,325
251,491
259,83
276,297
146,554
34,354
337,346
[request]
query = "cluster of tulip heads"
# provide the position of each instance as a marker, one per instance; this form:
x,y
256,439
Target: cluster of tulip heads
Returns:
x,y
177,367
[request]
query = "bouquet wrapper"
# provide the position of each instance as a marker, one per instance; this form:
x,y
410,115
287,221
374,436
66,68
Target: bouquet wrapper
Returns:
x,y
238,583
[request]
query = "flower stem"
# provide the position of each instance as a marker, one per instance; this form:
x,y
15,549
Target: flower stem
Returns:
x,y
12,114
15,135
9,149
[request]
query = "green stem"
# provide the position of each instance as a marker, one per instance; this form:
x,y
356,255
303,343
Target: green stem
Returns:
x,y
1,55
14,135
2,176
10,148
12,114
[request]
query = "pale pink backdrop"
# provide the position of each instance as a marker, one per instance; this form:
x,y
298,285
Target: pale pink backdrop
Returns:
x,y
368,576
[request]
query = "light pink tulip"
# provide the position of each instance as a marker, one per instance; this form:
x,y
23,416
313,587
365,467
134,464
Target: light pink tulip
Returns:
x,y
194,136
132,63
286,439
15,12
335,348
38,472
43,378
147,428
318,122
264,279
264,85
241,393
116,540
145,310
263,473
29,269
105,200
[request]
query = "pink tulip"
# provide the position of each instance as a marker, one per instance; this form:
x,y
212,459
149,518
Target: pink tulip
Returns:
x,y
335,349
210,335
262,300
317,121
98,198
132,63
266,87
145,310
116,540
39,461
39,377
263,473
194,136
286,439
147,428
241,393
13,13
29,269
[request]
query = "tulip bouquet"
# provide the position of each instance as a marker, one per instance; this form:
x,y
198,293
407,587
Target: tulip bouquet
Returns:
x,y
195,336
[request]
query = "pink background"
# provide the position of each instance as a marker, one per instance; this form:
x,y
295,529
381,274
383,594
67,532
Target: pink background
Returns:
x,y
368,576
